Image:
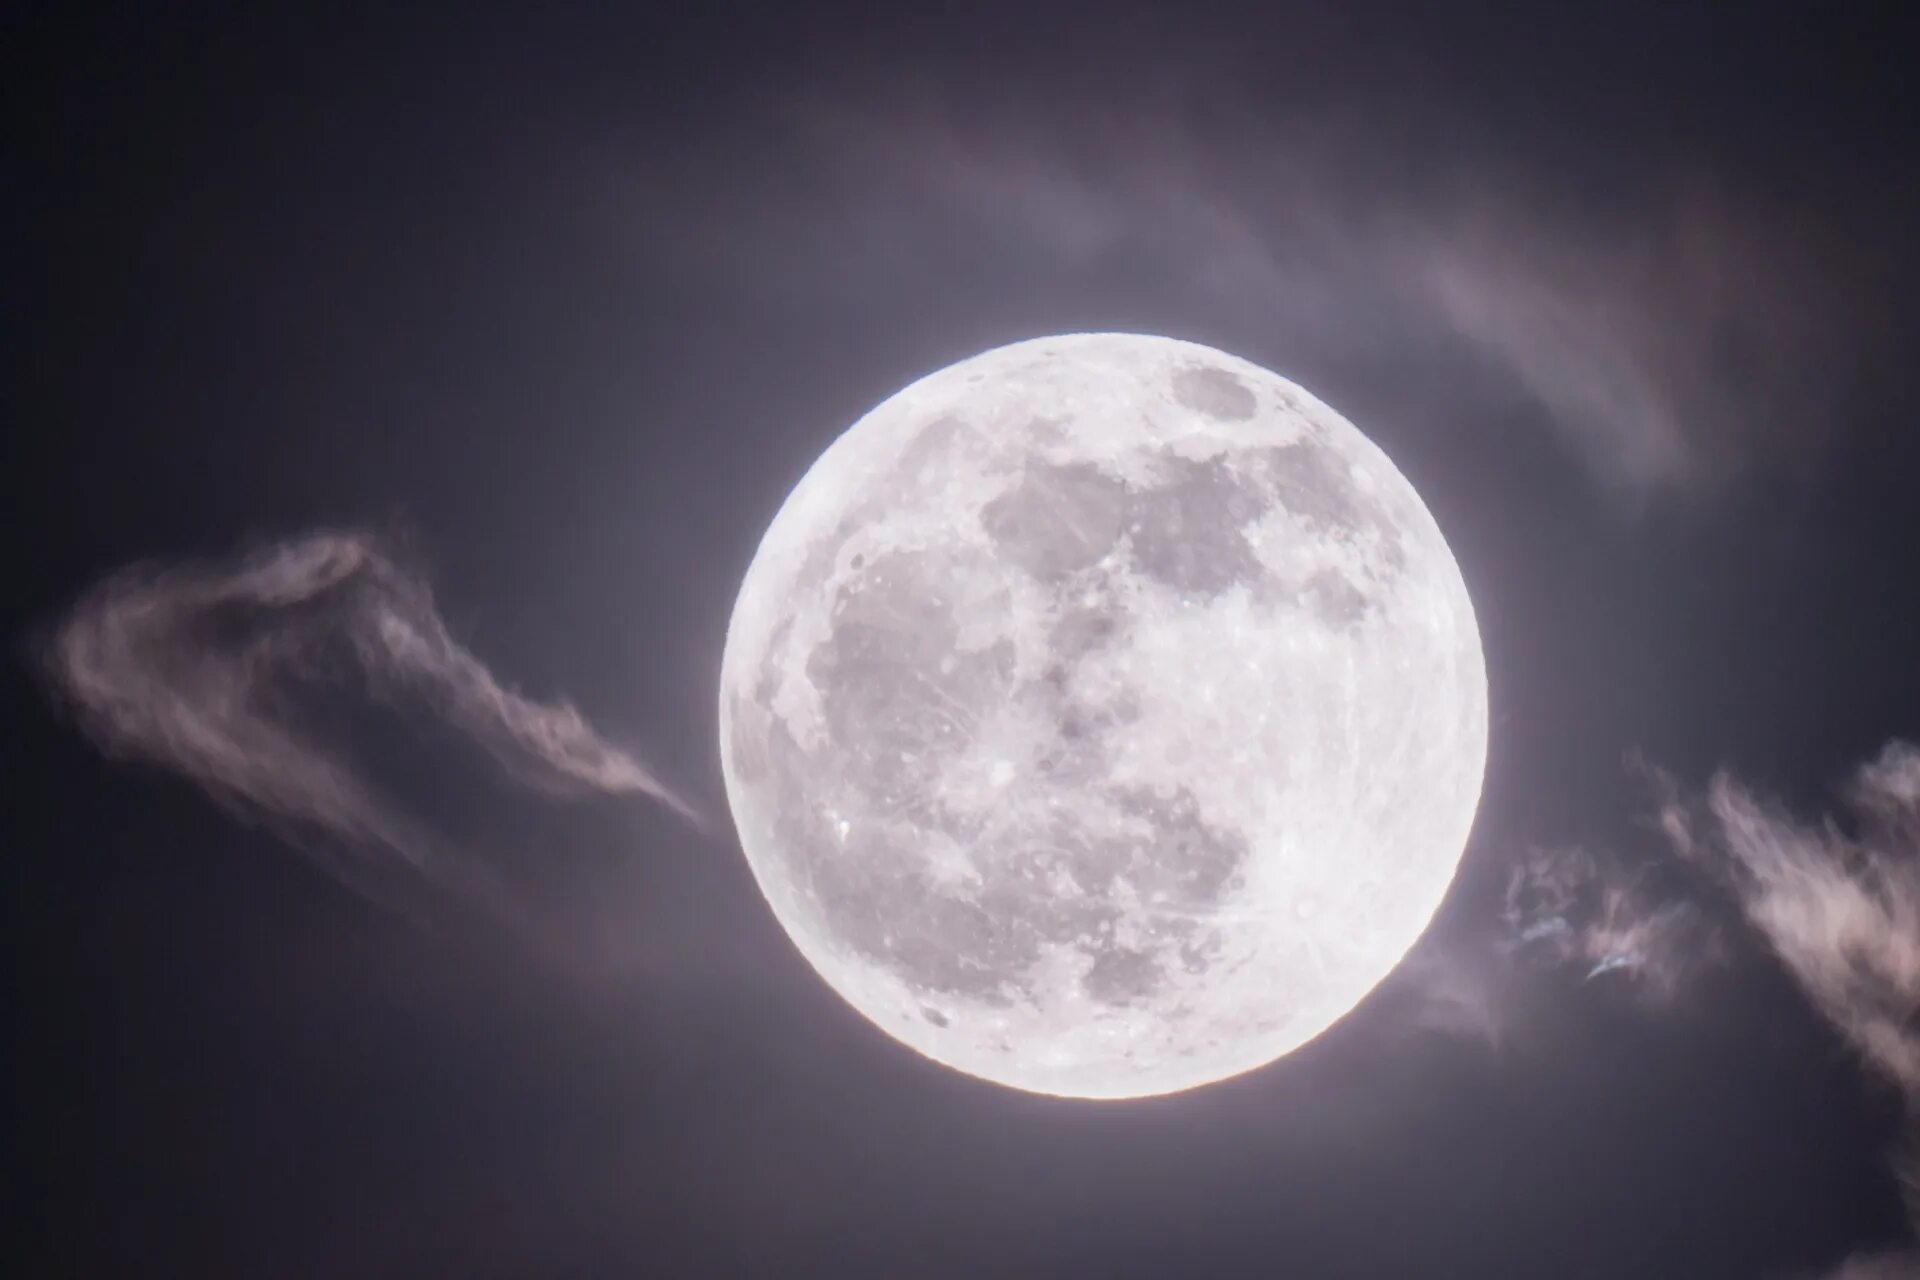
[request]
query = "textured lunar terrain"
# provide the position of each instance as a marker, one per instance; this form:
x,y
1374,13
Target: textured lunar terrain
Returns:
x,y
1103,715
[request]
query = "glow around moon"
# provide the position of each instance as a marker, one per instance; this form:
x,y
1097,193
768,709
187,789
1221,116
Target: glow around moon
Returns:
x,y
1103,715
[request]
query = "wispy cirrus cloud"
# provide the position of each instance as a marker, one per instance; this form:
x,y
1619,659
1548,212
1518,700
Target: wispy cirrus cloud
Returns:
x,y
1835,900
1672,333
199,668
1838,901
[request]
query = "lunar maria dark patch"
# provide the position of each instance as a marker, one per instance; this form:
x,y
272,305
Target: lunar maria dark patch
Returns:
x,y
1187,531
893,677
1215,392
1333,596
1056,520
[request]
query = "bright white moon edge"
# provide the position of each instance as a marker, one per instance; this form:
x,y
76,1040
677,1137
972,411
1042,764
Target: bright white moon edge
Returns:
x,y
1103,716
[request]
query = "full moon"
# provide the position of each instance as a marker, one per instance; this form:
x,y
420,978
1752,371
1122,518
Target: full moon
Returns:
x,y
1103,715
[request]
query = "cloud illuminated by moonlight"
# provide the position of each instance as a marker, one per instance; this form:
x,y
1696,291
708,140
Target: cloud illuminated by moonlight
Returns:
x,y
201,667
1836,901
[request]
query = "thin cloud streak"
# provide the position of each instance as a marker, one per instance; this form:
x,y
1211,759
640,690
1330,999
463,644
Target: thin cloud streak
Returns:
x,y
202,668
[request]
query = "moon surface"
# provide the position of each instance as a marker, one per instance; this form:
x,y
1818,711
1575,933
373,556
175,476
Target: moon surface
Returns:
x,y
1103,715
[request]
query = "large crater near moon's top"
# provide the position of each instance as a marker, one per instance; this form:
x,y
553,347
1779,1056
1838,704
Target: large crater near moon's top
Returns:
x,y
1103,715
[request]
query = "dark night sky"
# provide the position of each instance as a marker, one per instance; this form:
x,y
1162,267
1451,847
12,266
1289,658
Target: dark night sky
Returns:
x,y
572,302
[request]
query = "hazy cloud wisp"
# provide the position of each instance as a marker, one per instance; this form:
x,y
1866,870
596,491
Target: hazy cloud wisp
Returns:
x,y
1567,907
1837,901
199,668
1671,335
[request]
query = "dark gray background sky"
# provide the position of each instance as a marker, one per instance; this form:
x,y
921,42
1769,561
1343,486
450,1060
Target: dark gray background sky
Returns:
x,y
567,303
